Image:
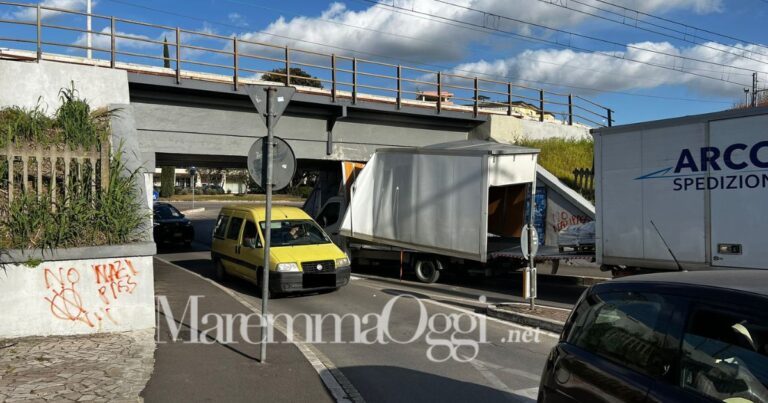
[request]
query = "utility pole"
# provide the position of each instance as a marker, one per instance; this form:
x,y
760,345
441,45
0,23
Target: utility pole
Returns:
x,y
88,52
754,89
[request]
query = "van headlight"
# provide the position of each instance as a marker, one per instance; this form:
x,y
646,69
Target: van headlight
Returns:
x,y
343,262
283,267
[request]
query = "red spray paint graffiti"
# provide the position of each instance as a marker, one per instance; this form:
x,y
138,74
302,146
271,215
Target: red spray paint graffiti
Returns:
x,y
113,279
66,302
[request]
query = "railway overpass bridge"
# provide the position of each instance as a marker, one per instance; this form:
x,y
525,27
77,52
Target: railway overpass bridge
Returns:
x,y
189,108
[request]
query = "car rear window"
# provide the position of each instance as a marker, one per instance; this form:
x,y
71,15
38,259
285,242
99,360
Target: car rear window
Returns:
x,y
624,327
725,354
221,226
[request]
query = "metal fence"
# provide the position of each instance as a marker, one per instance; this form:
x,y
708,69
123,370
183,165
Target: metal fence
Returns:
x,y
584,181
125,44
55,172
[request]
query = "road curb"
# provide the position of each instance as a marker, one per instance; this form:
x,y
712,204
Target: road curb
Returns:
x,y
194,210
526,320
340,388
570,280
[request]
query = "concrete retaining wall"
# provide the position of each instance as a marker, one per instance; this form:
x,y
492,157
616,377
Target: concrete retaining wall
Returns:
x,y
24,83
508,129
66,297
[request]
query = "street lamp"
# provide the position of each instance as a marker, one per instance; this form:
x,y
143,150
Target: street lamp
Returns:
x,y
88,51
746,96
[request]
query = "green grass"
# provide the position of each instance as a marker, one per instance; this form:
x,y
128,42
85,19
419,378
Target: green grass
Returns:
x,y
561,156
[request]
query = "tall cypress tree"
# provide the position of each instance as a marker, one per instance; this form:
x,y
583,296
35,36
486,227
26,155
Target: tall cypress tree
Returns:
x,y
166,54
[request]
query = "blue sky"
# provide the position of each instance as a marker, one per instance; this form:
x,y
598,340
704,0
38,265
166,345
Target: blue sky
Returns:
x,y
485,37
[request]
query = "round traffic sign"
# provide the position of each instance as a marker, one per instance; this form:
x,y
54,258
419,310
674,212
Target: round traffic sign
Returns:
x,y
283,162
524,242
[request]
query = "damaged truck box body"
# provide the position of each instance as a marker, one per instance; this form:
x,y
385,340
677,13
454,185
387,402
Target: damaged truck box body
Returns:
x,y
446,199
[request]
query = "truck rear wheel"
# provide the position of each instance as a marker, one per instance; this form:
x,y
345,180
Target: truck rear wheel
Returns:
x,y
427,269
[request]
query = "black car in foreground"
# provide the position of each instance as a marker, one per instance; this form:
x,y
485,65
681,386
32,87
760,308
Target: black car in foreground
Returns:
x,y
670,337
170,225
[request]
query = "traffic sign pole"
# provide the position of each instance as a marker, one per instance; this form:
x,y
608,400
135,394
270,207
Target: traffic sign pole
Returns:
x,y
531,247
267,216
270,109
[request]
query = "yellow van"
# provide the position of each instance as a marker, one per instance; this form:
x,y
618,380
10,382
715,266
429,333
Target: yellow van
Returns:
x,y
302,256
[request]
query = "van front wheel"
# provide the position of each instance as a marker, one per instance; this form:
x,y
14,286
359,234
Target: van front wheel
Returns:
x,y
427,269
221,273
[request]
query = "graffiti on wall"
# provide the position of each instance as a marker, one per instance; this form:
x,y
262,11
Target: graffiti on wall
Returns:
x,y
113,280
564,219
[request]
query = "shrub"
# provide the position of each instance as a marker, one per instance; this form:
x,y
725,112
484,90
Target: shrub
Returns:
x,y
167,180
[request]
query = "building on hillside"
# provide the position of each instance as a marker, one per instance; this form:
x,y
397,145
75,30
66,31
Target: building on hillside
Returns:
x,y
431,96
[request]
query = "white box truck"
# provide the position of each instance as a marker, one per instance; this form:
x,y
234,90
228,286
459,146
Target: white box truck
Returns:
x,y
457,204
683,194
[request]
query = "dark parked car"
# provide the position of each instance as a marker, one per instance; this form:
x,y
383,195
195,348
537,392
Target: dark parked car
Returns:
x,y
671,337
171,226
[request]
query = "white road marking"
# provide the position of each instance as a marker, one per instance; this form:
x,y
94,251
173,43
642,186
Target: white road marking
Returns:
x,y
332,377
510,395
467,311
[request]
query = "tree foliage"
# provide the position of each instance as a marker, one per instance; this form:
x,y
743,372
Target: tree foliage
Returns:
x,y
167,181
298,77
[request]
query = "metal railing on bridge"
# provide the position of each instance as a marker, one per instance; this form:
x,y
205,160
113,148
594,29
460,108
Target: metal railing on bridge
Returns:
x,y
142,47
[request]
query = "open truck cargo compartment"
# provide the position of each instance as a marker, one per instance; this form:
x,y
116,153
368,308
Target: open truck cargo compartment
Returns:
x,y
443,199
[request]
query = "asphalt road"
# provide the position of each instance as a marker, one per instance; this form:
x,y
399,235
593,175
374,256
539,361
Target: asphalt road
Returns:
x,y
508,361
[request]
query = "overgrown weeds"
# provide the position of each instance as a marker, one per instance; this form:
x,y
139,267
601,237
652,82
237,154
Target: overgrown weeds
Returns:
x,y
73,124
68,210
562,156
114,216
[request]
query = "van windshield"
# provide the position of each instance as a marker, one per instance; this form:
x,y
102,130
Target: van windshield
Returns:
x,y
295,232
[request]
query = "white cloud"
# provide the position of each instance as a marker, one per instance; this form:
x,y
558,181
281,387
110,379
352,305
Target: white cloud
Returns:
x,y
30,13
237,19
435,41
594,70
103,41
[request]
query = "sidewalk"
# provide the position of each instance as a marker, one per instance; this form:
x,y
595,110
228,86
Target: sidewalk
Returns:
x,y
104,367
221,372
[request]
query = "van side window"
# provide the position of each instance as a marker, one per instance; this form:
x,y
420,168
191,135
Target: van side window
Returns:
x,y
725,355
221,226
625,327
234,228
251,236
329,215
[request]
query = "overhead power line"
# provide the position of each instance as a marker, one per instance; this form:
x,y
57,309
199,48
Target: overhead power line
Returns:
x,y
623,57
684,24
519,56
584,36
625,20
442,67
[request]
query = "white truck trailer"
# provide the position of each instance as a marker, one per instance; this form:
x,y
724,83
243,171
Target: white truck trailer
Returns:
x,y
683,194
